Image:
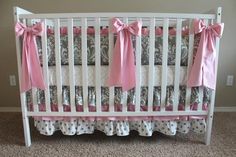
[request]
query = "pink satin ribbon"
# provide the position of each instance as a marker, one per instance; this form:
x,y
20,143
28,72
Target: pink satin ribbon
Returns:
x,y
203,71
31,75
122,69
209,32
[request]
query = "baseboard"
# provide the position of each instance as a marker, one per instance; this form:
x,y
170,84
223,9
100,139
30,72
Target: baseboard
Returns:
x,y
10,109
225,109
217,109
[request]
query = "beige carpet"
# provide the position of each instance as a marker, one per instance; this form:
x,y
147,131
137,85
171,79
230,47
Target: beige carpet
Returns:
x,y
190,145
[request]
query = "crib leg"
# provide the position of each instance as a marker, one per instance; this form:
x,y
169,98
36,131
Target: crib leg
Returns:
x,y
26,130
209,128
212,104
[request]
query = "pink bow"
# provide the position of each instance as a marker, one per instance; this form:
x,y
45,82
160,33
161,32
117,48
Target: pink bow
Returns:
x,y
31,70
122,71
210,32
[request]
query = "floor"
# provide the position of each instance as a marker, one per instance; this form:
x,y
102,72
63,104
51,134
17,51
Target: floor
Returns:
x,y
223,142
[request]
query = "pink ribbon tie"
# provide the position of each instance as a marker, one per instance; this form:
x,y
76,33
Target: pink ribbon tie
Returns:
x,y
31,75
203,70
122,70
209,32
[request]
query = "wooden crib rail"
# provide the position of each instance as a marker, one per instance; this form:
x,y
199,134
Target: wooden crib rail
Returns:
x,y
118,14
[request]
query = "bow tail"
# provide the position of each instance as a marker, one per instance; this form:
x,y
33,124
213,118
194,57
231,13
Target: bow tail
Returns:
x,y
25,77
31,71
128,68
37,78
210,42
114,77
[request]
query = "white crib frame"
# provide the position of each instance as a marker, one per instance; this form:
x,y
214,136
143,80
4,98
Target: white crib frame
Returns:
x,y
21,15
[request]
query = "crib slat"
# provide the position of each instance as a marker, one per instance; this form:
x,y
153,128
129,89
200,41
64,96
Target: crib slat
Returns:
x,y
34,90
151,63
164,64
125,94
190,60
98,64
199,106
71,64
138,71
124,102
45,67
201,89
206,21
111,89
34,99
211,21
177,63
58,64
84,63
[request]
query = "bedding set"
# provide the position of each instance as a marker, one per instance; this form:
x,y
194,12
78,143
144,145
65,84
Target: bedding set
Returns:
x,y
120,126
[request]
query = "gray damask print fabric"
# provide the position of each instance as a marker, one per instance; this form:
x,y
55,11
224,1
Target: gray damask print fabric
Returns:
x,y
119,96
104,44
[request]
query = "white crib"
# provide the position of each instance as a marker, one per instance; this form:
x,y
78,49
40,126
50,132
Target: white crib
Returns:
x,y
97,20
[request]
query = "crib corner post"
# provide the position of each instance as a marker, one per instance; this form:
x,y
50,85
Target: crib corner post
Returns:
x,y
25,118
209,126
212,104
210,119
26,125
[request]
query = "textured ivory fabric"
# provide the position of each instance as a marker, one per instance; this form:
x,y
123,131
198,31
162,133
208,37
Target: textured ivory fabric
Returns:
x,y
104,74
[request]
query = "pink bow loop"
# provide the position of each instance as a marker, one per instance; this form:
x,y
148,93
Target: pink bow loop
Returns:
x,y
215,30
122,69
31,75
36,29
135,28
